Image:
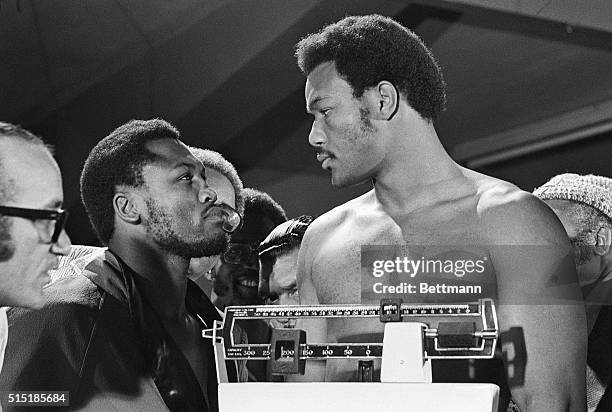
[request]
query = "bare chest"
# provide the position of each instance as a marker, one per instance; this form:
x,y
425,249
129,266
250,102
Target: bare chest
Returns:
x,y
336,269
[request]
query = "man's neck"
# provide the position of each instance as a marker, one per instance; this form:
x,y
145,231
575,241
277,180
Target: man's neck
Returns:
x,y
418,172
163,275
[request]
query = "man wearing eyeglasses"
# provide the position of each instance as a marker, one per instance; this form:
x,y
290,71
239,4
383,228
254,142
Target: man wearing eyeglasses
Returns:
x,y
235,277
236,274
32,235
124,328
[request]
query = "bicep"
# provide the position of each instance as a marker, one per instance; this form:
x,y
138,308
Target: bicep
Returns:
x,y
543,325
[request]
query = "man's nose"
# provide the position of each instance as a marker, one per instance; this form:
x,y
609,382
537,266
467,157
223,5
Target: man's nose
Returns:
x,y
63,244
207,194
317,136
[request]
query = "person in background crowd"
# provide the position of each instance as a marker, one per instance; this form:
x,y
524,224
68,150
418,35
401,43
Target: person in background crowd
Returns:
x,y
374,91
584,206
122,329
278,254
223,178
32,235
235,277
236,274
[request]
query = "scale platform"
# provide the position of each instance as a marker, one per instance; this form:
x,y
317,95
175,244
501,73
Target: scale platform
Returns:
x,y
358,397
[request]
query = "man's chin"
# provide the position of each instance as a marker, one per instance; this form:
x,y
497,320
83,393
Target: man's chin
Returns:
x,y
199,249
340,182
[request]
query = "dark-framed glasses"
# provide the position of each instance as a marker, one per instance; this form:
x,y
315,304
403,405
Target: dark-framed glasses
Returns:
x,y
57,215
231,218
239,253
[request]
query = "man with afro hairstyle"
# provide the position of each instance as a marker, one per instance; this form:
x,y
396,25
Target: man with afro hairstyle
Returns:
x,y
374,91
121,329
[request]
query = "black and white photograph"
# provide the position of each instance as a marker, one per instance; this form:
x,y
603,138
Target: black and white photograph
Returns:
x,y
306,205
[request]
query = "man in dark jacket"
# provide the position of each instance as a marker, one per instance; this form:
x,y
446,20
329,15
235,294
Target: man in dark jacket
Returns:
x,y
122,327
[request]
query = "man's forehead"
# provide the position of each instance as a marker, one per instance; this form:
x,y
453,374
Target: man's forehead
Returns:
x,y
36,176
323,82
171,152
285,268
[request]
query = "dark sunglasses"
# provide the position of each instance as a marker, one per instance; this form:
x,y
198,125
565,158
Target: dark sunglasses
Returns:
x,y
58,215
239,253
232,219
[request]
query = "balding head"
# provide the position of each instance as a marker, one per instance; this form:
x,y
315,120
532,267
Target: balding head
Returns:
x,y
29,179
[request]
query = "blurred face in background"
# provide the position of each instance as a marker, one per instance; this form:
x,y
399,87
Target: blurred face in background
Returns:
x,y
236,274
282,284
283,279
199,268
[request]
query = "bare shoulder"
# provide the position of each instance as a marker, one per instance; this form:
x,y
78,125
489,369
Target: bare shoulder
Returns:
x,y
513,216
340,215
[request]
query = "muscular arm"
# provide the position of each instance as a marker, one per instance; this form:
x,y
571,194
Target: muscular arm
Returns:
x,y
540,310
316,329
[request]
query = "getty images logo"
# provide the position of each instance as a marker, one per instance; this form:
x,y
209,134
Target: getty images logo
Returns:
x,y
412,267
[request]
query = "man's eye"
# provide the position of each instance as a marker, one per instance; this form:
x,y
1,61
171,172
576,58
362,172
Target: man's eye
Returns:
x,y
293,292
272,300
188,177
324,111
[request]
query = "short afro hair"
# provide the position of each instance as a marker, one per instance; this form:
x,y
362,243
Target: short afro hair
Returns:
x,y
9,189
118,160
214,160
258,201
369,49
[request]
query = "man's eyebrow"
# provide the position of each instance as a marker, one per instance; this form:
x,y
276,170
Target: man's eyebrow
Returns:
x,y
184,164
53,204
314,102
288,284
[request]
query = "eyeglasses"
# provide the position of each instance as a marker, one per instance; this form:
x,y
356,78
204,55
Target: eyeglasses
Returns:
x,y
232,219
58,215
239,253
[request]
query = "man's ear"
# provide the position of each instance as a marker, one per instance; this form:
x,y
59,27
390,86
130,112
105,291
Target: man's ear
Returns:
x,y
384,101
603,240
126,207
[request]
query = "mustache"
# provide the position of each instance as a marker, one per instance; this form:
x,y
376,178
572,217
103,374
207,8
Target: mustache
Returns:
x,y
322,151
214,210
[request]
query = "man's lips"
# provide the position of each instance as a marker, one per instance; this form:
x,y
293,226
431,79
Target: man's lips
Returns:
x,y
324,158
213,212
